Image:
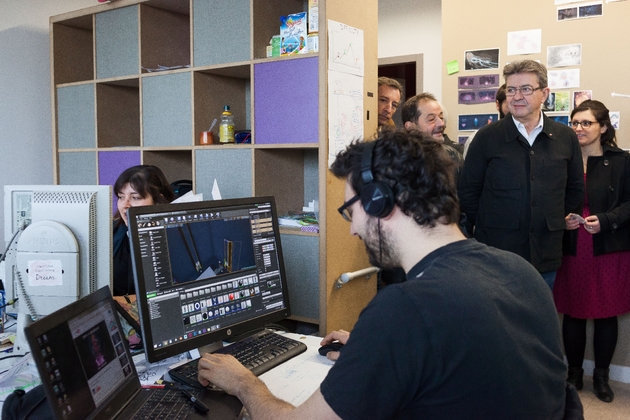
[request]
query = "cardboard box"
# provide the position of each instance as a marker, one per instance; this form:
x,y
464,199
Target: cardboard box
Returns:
x,y
293,34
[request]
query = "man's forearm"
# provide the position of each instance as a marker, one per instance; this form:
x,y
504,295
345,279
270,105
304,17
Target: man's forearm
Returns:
x,y
260,403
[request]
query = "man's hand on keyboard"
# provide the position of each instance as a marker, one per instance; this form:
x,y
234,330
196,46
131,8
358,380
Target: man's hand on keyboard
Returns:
x,y
223,371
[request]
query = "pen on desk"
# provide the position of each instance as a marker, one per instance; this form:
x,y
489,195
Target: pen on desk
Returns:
x,y
196,403
153,386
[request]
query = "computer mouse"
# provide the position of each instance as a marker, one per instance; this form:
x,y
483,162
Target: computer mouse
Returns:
x,y
336,346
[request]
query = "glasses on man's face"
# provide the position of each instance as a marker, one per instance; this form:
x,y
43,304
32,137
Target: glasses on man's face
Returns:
x,y
584,124
525,90
344,210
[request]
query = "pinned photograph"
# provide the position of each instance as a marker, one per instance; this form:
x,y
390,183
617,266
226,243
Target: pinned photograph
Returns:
x,y
550,104
475,121
580,96
562,79
564,55
614,118
590,10
562,101
568,13
562,119
462,139
524,42
482,59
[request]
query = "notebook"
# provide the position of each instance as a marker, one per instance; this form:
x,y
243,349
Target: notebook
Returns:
x,y
87,371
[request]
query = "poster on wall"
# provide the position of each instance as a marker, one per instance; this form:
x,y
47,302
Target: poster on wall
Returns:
x,y
561,101
580,96
481,59
524,42
470,122
564,55
567,78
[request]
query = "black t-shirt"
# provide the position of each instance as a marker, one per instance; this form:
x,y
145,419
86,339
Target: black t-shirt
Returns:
x,y
473,333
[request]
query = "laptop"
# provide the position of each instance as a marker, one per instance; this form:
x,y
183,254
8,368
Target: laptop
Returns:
x,y
87,371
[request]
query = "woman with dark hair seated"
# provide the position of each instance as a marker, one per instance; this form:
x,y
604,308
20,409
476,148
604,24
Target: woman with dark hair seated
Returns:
x,y
141,185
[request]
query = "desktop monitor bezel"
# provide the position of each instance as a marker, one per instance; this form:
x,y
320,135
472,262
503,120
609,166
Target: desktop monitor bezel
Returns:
x,y
154,354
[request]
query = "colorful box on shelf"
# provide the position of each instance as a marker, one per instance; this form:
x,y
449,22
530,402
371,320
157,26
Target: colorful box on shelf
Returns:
x,y
293,34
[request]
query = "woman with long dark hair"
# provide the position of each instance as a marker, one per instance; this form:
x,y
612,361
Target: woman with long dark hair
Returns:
x,y
594,279
141,185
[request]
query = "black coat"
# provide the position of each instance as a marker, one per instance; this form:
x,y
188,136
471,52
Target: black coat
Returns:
x,y
608,192
515,196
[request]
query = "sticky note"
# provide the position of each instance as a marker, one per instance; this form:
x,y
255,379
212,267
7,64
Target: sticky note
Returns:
x,y
452,67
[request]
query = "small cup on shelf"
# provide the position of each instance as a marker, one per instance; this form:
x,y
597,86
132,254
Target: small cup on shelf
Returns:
x,y
206,137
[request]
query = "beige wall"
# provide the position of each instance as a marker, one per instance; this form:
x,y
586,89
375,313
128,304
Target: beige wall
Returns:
x,y
473,25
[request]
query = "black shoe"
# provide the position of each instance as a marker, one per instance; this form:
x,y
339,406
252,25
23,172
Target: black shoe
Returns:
x,y
575,377
601,386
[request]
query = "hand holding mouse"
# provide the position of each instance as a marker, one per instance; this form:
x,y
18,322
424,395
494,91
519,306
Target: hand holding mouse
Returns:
x,y
332,343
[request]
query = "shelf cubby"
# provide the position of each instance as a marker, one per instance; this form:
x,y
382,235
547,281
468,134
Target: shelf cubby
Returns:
x,y
164,36
118,113
214,88
73,50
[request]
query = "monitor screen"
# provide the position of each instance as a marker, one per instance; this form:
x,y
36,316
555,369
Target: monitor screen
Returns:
x,y
206,271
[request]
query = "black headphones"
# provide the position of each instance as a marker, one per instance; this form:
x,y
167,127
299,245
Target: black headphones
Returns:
x,y
377,197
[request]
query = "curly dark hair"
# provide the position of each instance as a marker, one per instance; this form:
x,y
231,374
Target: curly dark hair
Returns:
x,y
146,180
418,169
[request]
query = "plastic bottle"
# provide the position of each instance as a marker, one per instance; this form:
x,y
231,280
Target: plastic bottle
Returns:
x,y
226,128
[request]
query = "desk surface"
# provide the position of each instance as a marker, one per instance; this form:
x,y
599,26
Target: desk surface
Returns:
x,y
293,381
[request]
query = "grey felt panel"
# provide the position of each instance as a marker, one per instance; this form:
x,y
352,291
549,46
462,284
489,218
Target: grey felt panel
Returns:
x,y
301,263
311,176
75,117
221,31
117,43
77,168
167,110
232,168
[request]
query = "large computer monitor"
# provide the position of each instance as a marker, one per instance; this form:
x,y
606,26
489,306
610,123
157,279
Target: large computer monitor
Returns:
x,y
206,271
59,241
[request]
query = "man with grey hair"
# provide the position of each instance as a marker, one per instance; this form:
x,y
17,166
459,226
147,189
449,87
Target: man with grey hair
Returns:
x,y
523,174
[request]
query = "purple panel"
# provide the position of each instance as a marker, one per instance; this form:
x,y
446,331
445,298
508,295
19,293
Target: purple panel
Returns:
x,y
112,164
286,102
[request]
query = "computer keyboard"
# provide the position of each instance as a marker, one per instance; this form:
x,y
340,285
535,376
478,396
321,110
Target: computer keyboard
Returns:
x,y
165,404
259,353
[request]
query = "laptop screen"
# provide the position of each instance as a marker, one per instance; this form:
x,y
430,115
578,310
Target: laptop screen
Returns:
x,y
81,357
206,271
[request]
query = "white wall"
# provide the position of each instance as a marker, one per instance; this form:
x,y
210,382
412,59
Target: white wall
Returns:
x,y
25,109
413,27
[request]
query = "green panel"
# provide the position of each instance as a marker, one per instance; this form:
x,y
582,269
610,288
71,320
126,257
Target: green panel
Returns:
x,y
232,168
75,117
117,43
77,168
301,263
221,31
167,110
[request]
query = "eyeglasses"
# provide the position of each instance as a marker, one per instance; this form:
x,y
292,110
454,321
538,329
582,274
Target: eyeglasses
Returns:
x,y
525,90
344,211
584,124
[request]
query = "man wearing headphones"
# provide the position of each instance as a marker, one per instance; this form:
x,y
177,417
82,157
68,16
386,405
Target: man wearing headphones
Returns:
x,y
466,336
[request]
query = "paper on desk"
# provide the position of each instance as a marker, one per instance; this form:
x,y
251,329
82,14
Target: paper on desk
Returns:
x,y
296,379
22,375
151,372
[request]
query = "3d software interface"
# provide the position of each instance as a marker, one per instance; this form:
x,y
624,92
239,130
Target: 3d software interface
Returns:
x,y
208,269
